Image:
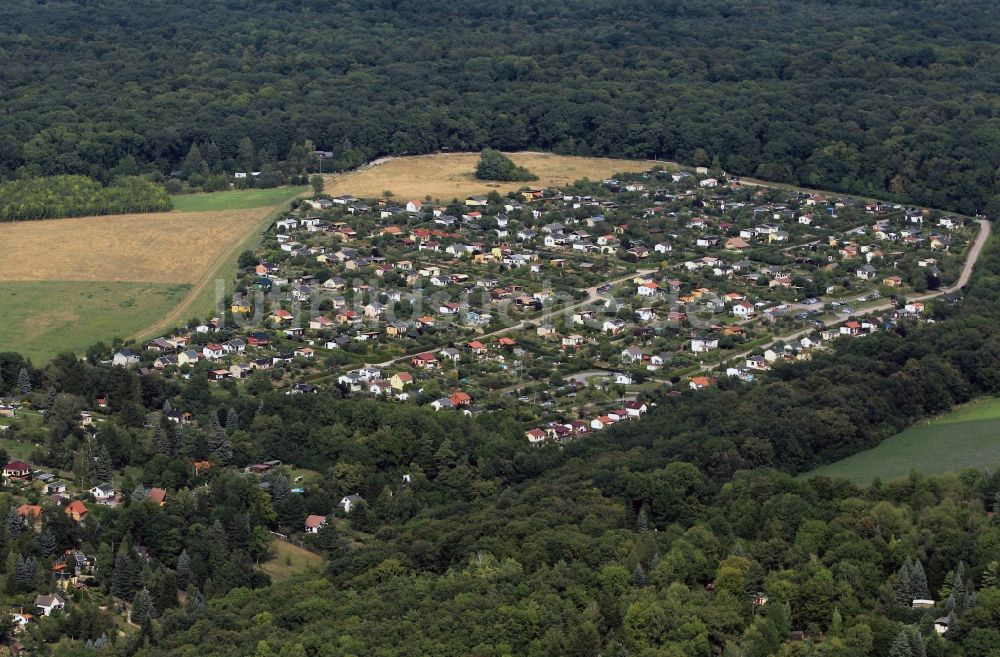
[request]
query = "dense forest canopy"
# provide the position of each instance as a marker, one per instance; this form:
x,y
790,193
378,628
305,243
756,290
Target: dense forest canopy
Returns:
x,y
886,98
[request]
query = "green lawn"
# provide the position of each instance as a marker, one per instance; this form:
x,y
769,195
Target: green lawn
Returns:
x,y
43,318
968,437
289,559
235,200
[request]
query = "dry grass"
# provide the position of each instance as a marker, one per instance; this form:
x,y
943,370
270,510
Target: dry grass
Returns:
x,y
157,248
449,175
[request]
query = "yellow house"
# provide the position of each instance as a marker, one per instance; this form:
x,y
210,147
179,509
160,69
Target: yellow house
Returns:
x,y
244,307
400,380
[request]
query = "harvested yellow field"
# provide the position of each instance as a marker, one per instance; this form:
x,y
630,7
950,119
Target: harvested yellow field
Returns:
x,y
169,247
448,176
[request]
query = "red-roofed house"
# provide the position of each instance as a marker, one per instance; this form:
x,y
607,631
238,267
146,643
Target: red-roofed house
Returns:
x,y
157,496
425,360
77,511
314,523
535,436
16,470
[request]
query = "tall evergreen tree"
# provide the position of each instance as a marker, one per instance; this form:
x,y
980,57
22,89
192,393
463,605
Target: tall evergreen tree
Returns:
x,y
219,445
952,631
23,381
103,468
138,493
125,579
50,398
24,573
161,441
901,646
642,523
47,543
281,488
232,420
638,576
184,573
15,523
143,610
918,581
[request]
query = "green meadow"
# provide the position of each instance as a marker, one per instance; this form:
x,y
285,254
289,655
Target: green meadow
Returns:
x,y
967,437
43,318
235,200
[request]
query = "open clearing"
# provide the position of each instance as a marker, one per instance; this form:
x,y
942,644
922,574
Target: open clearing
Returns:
x,y
289,559
43,318
69,283
242,199
967,437
447,176
158,247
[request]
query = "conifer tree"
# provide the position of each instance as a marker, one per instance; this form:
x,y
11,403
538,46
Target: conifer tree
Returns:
x,y
103,468
184,573
50,398
901,646
23,381
161,441
47,543
143,610
918,581
445,456
281,488
15,523
232,420
638,576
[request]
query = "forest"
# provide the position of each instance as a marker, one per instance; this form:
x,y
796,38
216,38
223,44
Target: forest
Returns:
x,y
883,98
51,197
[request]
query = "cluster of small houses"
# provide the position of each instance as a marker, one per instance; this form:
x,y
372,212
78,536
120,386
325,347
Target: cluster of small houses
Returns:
x,y
673,214
74,567
562,432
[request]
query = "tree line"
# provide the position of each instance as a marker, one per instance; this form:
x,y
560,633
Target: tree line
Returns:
x,y
826,94
51,197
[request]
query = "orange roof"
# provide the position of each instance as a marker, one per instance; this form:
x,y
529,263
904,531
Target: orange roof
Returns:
x,y
315,521
76,507
29,509
460,397
506,341
475,344
157,495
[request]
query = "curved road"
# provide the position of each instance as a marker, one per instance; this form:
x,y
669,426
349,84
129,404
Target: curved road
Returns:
x,y
963,279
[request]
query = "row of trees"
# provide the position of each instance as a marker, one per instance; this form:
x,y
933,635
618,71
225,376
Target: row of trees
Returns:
x,y
76,196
